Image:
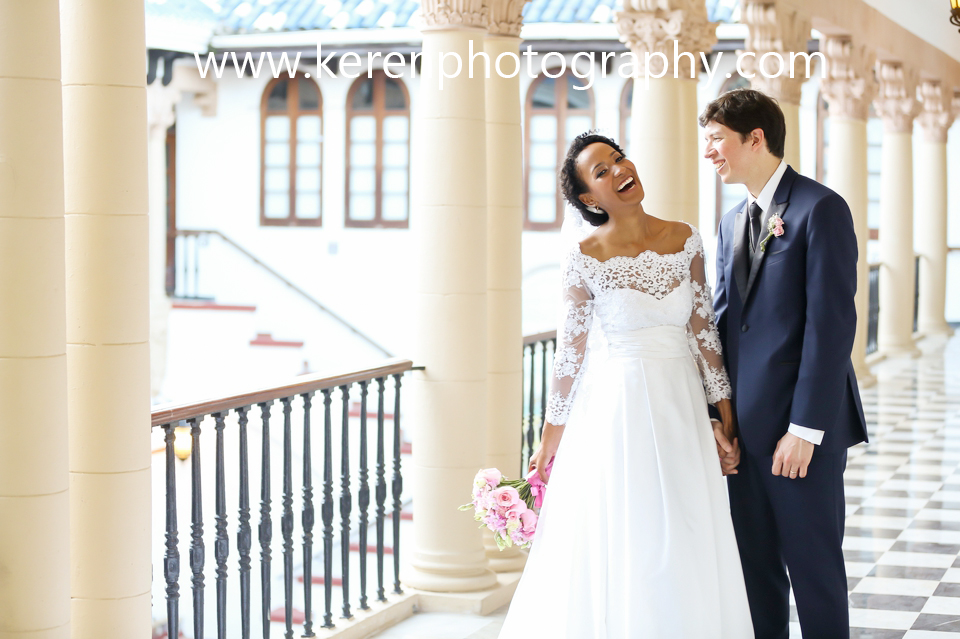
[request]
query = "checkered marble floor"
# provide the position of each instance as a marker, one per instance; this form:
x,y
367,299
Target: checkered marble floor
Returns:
x,y
903,501
903,511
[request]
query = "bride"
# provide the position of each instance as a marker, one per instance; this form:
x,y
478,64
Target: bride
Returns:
x,y
634,539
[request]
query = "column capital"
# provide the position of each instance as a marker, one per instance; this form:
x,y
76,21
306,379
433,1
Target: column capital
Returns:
x,y
506,17
653,26
848,83
780,31
896,102
936,111
445,14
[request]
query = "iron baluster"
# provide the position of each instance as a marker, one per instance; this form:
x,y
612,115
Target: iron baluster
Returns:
x,y
381,489
326,513
266,525
306,521
364,496
244,534
397,486
531,401
171,558
196,529
346,501
221,542
286,520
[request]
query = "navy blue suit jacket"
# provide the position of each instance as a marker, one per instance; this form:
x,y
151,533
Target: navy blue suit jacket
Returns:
x,y
787,326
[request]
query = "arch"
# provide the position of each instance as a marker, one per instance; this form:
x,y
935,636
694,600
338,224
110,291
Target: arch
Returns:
x,y
291,152
377,153
555,113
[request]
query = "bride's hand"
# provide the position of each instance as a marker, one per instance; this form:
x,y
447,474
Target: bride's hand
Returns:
x,y
549,442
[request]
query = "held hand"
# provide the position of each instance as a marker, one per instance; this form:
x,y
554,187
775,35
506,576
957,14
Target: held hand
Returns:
x,y
729,451
792,457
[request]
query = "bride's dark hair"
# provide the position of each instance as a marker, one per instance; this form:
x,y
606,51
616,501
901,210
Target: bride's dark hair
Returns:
x,y
572,185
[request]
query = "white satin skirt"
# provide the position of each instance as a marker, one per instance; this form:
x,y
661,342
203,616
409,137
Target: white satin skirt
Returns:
x,y
635,538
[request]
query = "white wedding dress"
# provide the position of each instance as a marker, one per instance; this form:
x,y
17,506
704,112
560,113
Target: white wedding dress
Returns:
x,y
635,539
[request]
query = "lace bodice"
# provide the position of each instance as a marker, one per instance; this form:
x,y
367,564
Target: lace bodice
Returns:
x,y
628,293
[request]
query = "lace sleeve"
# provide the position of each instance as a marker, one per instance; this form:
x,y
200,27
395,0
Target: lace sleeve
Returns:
x,y
703,329
576,317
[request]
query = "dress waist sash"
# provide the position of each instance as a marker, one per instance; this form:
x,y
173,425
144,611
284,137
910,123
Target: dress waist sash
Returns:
x,y
656,342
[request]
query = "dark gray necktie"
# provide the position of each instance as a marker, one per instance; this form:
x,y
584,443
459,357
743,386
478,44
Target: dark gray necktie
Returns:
x,y
755,213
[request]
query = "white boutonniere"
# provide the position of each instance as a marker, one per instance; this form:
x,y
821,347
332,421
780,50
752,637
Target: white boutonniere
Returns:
x,y
774,229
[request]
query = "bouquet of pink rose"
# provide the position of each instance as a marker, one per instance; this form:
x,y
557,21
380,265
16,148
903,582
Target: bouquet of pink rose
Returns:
x,y
506,506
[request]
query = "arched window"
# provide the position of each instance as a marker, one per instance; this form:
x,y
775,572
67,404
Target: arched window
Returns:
x,y
556,113
729,194
291,138
378,153
626,106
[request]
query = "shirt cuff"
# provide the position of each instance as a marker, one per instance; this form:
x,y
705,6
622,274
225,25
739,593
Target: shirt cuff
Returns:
x,y
811,435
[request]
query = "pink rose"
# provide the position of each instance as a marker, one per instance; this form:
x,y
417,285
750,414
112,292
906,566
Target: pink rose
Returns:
x,y
778,230
491,476
528,522
514,512
506,497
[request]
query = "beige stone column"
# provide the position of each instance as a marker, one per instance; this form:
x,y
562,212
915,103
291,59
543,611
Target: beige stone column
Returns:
x,y
896,104
504,264
776,33
664,112
161,101
935,119
34,500
108,366
848,86
449,222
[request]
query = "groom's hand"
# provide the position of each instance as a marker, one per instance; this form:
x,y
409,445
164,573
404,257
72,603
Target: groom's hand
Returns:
x,y
792,457
728,450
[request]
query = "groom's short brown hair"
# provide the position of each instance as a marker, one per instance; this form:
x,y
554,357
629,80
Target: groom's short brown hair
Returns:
x,y
744,110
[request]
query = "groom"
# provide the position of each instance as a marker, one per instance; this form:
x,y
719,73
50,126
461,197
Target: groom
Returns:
x,y
786,279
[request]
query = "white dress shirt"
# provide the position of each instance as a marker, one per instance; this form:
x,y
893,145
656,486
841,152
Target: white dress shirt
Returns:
x,y
764,200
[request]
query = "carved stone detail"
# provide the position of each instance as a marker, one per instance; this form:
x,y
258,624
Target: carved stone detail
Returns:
x,y
161,101
506,17
936,111
773,30
440,14
896,101
848,83
653,26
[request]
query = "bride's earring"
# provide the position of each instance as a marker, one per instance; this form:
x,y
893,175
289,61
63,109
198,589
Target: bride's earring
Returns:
x,y
595,209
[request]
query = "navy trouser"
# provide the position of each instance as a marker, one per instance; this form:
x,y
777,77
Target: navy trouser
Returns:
x,y
797,525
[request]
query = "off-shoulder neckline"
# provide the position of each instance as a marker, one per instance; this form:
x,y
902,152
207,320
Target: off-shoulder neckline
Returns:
x,y
683,251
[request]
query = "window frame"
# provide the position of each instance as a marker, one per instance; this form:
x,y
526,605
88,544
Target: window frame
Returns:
x,y
293,112
560,111
379,112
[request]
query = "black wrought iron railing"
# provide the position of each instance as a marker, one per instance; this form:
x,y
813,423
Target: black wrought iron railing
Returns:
x,y
873,308
191,431
538,352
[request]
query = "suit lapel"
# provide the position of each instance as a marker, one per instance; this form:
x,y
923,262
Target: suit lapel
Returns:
x,y
781,200
740,249
760,254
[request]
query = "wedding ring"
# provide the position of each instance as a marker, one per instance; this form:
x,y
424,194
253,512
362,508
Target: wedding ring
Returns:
x,y
793,472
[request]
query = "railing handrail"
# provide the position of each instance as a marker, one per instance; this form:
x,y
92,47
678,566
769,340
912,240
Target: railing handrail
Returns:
x,y
539,337
302,293
169,413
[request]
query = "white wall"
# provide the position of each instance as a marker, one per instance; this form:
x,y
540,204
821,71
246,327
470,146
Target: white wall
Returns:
x,y
366,275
